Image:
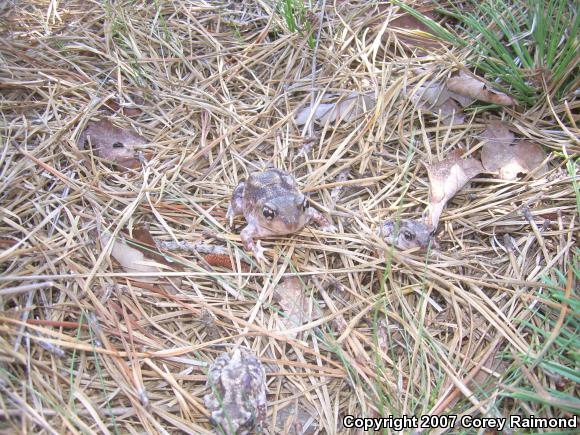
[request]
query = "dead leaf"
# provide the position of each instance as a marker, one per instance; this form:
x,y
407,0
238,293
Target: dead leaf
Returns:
x,y
447,99
208,320
468,85
432,94
414,33
407,233
451,113
435,97
345,109
131,259
500,155
446,178
111,143
148,247
391,338
497,133
134,261
297,306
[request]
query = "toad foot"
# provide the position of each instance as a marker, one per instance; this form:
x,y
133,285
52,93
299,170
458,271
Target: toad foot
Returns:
x,y
258,252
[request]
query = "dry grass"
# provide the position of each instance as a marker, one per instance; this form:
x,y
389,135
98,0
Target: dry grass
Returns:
x,y
85,347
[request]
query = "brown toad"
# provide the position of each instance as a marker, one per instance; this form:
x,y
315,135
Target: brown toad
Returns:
x,y
111,143
237,400
407,234
273,206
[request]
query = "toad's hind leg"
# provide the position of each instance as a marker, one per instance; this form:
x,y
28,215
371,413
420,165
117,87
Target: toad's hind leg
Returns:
x,y
235,207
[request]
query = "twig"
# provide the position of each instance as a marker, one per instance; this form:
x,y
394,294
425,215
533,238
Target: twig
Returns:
x,y
11,291
313,69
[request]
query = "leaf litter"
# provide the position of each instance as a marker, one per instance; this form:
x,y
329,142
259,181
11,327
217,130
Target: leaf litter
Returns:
x,y
446,178
449,97
413,32
408,30
503,155
298,307
344,109
141,257
499,156
471,86
130,258
147,245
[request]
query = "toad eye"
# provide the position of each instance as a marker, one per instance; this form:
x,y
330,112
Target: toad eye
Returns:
x,y
268,213
304,204
407,235
118,145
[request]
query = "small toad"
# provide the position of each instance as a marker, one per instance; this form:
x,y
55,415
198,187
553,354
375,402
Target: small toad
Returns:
x,y
113,144
273,206
237,400
407,234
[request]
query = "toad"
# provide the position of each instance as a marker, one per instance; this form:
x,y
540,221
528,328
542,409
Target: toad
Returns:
x,y
113,144
237,400
273,206
407,234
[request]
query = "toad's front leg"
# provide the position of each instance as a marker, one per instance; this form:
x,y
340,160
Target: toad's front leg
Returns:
x,y
247,236
236,207
322,221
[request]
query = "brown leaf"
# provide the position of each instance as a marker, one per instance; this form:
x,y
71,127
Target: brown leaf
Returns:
x,y
447,99
135,259
295,303
414,33
345,109
501,155
497,133
434,97
446,178
131,259
148,246
451,113
432,94
468,85
111,143
131,111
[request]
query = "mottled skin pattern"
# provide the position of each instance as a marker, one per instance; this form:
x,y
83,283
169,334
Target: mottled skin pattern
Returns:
x,y
410,234
237,400
273,206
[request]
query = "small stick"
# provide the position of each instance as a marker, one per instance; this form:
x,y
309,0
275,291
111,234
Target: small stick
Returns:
x,y
57,323
10,291
200,247
24,318
313,74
